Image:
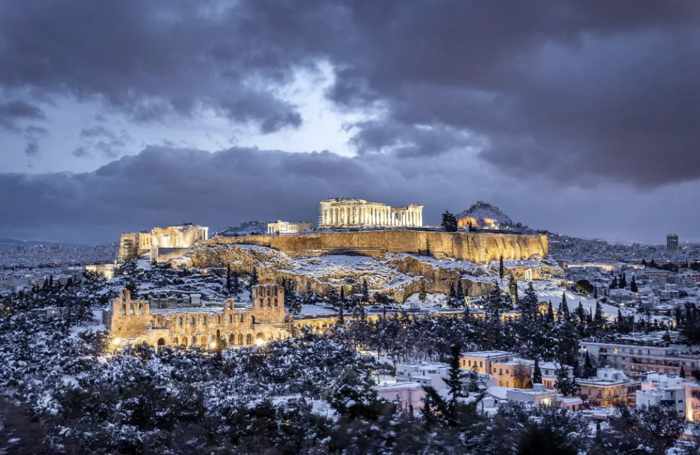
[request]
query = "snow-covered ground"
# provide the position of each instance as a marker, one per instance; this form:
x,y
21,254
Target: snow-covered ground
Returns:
x,y
549,292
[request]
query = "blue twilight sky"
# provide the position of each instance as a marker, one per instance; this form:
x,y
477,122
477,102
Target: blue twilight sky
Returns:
x,y
578,117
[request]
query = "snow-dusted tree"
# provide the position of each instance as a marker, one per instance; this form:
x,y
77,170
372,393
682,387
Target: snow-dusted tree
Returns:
x,y
566,385
537,373
449,222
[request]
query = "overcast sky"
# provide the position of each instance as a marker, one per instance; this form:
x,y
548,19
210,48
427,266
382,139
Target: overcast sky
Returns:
x,y
577,117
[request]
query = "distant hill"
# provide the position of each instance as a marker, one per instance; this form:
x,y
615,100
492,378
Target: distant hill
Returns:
x,y
483,210
4,241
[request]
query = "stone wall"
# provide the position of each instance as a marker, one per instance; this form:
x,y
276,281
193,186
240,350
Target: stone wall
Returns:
x,y
469,246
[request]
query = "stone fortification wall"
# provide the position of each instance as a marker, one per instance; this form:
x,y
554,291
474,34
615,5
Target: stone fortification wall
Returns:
x,y
469,246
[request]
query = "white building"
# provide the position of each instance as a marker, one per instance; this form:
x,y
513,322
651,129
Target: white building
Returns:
x,y
359,213
429,374
636,359
409,395
660,389
286,227
538,395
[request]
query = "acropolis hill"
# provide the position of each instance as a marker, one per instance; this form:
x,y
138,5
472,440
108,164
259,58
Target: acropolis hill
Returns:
x,y
477,247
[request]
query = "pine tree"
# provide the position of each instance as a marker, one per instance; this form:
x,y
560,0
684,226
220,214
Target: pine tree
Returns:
x,y
550,312
633,285
449,222
341,303
620,321
589,370
513,288
235,282
599,321
566,385
454,380
537,373
365,291
563,308
529,303
459,294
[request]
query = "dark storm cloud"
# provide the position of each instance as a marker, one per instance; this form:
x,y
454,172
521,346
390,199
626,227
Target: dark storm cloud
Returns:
x,y
102,139
571,90
15,111
148,59
581,92
31,149
408,140
164,185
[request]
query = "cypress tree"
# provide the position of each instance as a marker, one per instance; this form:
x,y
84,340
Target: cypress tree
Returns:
x,y
599,321
235,282
365,291
537,373
564,308
550,312
588,369
341,303
623,281
254,277
513,288
454,378
633,285
614,284
500,267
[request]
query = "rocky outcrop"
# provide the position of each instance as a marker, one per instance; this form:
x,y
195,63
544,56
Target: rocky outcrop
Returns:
x,y
398,276
475,247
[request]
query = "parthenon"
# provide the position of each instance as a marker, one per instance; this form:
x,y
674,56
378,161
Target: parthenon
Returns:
x,y
348,212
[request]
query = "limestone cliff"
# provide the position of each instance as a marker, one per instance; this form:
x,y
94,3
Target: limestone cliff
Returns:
x,y
475,247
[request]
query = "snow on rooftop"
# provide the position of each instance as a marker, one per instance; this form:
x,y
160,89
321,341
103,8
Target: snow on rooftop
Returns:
x,y
486,353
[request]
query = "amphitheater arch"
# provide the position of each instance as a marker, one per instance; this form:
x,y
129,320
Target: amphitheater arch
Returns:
x,y
160,343
249,339
231,339
240,339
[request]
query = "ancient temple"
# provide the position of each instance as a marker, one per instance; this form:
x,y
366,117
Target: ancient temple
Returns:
x,y
359,213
